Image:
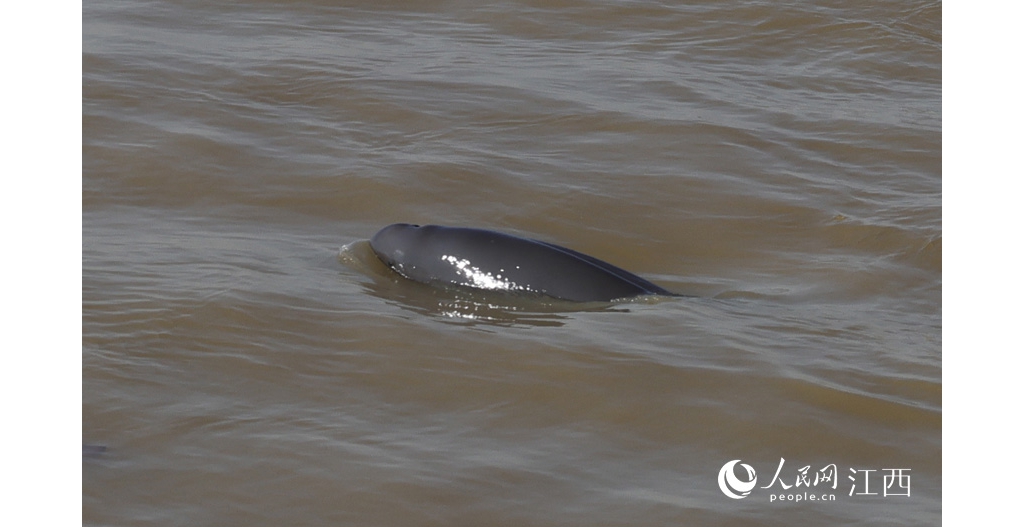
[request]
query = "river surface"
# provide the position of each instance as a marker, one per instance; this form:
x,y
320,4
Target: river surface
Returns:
x,y
246,360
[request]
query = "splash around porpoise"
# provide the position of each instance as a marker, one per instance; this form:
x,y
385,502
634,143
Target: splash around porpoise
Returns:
x,y
492,260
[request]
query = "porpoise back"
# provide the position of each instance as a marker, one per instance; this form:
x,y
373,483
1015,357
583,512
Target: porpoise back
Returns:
x,y
493,260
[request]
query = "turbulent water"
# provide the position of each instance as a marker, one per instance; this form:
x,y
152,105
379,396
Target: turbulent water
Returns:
x,y
248,361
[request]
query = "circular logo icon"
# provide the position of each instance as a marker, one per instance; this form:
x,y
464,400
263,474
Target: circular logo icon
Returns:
x,y
733,486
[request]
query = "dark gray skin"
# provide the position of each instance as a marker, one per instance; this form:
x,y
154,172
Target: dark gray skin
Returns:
x,y
493,260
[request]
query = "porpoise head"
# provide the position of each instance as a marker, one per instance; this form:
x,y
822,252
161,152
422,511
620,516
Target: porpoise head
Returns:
x,y
393,243
432,253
